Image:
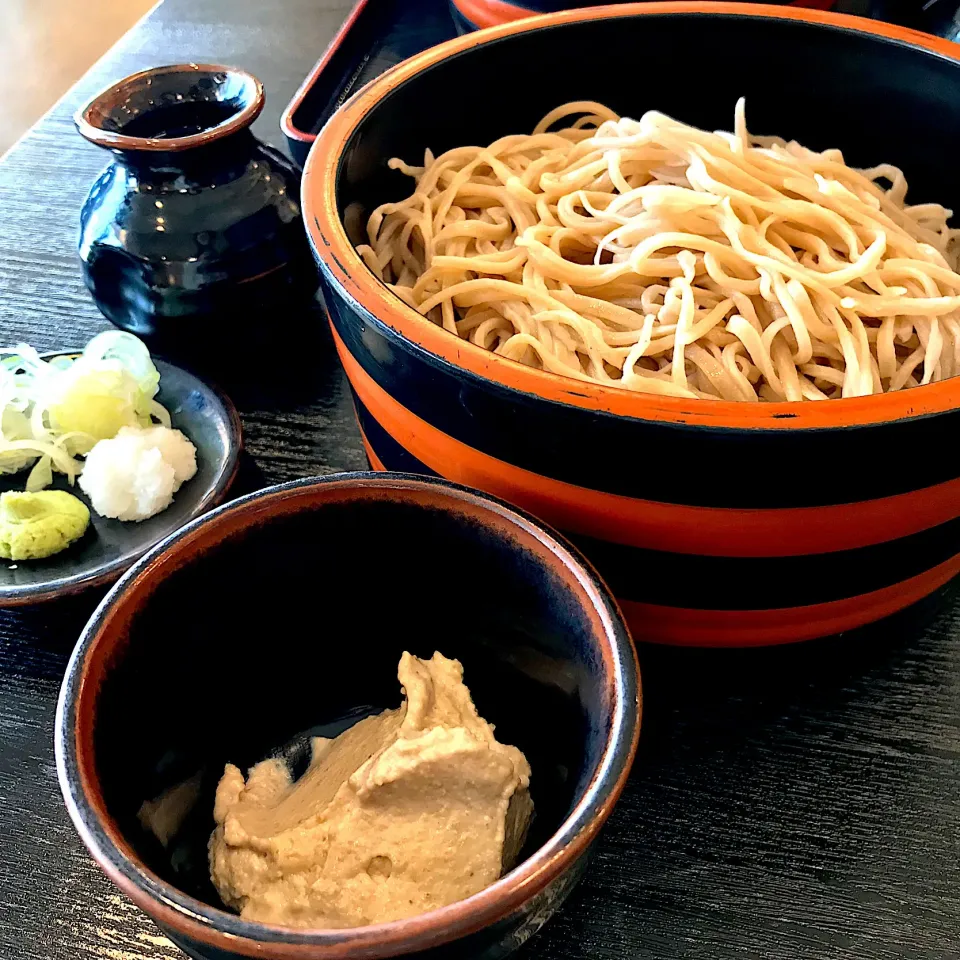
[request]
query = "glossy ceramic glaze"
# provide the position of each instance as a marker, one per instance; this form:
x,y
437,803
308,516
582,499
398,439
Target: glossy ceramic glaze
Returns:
x,y
193,233
715,523
109,547
287,610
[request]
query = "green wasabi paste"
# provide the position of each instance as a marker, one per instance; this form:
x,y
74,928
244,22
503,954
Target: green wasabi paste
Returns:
x,y
36,525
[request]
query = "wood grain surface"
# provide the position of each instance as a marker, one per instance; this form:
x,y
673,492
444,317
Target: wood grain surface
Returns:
x,y
792,804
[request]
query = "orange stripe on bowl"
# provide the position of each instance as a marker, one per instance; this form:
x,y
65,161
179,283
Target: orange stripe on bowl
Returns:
x,y
491,13
677,626
706,531
375,462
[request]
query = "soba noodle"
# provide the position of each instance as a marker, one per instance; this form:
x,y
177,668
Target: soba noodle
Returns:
x,y
661,258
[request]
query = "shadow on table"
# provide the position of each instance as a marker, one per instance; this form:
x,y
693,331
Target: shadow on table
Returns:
x,y
789,803
289,361
750,687
38,639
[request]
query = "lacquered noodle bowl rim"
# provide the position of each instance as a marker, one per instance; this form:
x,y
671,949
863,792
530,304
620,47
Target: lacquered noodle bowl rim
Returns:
x,y
342,264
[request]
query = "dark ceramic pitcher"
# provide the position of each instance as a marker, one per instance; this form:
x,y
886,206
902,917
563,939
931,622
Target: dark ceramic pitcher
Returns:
x,y
193,234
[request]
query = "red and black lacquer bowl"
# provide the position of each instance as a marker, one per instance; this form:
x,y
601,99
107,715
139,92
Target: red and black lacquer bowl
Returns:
x,y
936,18
478,14
286,611
715,523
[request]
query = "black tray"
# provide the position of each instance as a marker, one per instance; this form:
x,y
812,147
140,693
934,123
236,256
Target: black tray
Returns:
x,y
378,34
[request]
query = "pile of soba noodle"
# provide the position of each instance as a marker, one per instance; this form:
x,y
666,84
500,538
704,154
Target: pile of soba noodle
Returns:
x,y
661,258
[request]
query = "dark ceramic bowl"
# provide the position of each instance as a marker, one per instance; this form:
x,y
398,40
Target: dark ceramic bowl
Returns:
x,y
289,609
715,523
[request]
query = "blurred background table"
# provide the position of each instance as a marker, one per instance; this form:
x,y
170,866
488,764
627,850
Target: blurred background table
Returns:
x,y
796,804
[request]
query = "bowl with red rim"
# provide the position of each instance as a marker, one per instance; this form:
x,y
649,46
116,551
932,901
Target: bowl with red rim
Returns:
x,y
715,523
287,610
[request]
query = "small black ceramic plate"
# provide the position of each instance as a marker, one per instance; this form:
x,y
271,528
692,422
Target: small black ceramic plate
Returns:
x,y
108,547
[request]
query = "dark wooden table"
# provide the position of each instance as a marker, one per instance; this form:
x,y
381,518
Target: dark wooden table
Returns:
x,y
797,804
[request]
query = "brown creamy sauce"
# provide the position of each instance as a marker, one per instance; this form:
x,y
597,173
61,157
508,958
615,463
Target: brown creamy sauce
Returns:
x,y
404,812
